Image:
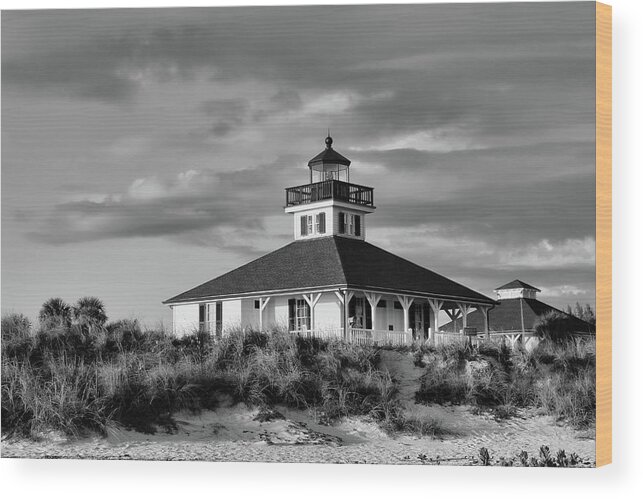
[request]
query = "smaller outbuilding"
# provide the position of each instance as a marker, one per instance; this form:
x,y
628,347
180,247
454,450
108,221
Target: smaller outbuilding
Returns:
x,y
517,311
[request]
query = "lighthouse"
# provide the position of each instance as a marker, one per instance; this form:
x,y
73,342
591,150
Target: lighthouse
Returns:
x,y
329,205
329,282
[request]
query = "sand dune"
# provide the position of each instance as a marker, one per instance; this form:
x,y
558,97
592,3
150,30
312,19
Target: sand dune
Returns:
x,y
237,433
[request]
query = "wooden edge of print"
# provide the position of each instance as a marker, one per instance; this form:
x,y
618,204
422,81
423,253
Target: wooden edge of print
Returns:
x,y
603,234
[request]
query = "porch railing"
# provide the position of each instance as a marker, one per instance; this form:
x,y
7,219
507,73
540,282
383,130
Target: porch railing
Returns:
x,y
329,189
379,337
512,338
326,334
361,336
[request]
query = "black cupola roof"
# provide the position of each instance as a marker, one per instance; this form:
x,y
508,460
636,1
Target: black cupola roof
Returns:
x,y
328,157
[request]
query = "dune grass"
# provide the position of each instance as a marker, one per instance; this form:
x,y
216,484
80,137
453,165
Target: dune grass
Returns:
x,y
77,380
557,378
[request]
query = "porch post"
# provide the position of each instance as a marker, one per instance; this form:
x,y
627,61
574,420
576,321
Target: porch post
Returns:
x,y
373,300
464,310
312,300
485,319
262,305
454,315
436,305
406,302
348,296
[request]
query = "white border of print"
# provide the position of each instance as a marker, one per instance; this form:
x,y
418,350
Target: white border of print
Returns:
x,y
110,479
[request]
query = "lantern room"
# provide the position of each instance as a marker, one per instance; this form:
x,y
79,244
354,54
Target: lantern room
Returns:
x,y
329,165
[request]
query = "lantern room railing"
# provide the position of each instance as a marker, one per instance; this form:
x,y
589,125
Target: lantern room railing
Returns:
x,y
329,189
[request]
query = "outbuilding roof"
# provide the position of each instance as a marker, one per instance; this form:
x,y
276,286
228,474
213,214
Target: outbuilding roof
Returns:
x,y
330,261
508,315
517,284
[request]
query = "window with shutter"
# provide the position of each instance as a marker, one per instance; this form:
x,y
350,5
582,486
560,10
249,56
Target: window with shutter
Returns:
x,y
304,226
321,223
218,319
342,224
350,224
358,225
291,314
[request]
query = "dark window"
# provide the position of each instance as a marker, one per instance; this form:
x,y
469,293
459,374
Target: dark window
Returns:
x,y
360,311
321,223
390,327
298,315
342,223
358,225
381,304
257,304
397,305
219,319
291,314
304,226
202,312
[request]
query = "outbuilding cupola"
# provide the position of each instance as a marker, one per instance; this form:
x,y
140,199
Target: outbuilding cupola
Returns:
x,y
329,205
516,289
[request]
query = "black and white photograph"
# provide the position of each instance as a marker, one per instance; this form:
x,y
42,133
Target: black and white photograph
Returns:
x,y
358,234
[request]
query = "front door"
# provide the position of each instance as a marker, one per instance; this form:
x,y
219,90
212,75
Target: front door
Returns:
x,y
418,320
359,312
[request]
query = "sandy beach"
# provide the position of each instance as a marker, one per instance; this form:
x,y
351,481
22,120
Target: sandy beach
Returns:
x,y
238,433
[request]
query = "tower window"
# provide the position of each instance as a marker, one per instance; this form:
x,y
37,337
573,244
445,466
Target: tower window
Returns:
x,y
320,223
350,224
304,226
309,219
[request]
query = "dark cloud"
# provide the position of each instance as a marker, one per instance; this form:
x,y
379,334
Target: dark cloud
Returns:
x,y
228,114
305,47
555,208
191,205
473,122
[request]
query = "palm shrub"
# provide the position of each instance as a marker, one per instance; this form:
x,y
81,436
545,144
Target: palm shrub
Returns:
x,y
55,312
89,313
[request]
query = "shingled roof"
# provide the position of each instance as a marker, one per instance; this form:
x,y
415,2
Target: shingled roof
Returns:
x,y
517,284
508,316
330,261
331,156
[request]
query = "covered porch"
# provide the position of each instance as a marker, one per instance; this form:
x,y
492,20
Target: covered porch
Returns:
x,y
366,317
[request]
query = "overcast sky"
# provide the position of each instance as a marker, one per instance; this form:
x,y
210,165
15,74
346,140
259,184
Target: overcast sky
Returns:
x,y
146,151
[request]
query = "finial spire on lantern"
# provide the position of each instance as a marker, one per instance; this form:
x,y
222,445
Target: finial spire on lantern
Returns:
x,y
329,140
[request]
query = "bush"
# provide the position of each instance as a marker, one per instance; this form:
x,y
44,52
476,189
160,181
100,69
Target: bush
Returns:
x,y
554,326
556,377
77,378
17,338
